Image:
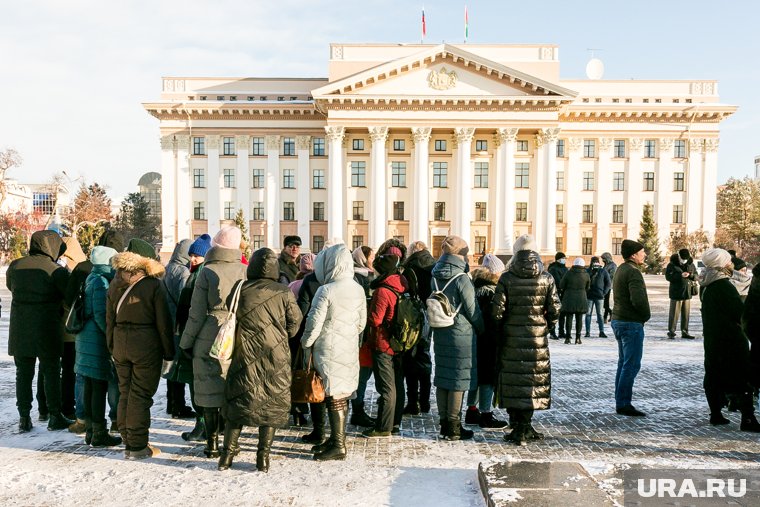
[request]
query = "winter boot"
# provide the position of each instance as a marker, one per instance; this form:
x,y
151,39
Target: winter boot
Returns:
x,y
183,412
567,340
88,432
337,412
472,416
578,338
57,422
231,447
464,433
424,397
77,427
358,416
101,437
749,423
412,408
198,433
266,436
444,428
517,436
488,421
211,417
717,419
532,434
24,424
148,451
317,436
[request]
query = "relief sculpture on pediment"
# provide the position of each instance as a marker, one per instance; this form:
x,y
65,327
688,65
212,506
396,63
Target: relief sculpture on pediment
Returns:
x,y
442,79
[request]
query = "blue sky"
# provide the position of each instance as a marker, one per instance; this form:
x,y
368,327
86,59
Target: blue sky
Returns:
x,y
74,73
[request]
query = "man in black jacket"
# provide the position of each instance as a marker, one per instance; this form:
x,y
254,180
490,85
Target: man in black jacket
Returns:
x,y
681,274
558,270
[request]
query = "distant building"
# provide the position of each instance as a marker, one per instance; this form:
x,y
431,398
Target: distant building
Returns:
x,y
757,167
18,197
150,189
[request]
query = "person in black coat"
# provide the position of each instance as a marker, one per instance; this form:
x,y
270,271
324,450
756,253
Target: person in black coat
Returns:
x,y
558,270
682,275
610,267
597,292
574,287
751,325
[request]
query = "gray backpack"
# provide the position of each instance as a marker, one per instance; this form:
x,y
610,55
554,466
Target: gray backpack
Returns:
x,y
440,313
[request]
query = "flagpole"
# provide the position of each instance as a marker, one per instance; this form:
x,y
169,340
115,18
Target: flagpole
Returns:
x,y
424,28
466,25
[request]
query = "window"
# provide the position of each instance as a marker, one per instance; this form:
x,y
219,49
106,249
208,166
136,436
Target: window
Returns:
x,y
398,174
399,145
258,211
228,146
522,146
648,182
650,148
358,174
199,145
522,175
617,213
319,212
678,214
318,178
481,214
560,213
588,213
481,174
560,180
618,181
481,145
356,242
289,146
679,148
398,210
560,148
258,146
288,211
399,238
199,210
257,241
317,243
586,246
440,174
480,245
358,144
588,180
617,246
199,178
358,208
618,148
288,178
521,211
440,145
318,146
258,178
229,210
589,148
229,178
439,211
678,182
558,244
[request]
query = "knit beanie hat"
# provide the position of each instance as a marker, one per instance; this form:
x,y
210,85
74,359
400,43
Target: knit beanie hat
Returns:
x,y
493,263
738,263
228,237
292,240
630,247
386,264
142,248
716,258
454,245
579,262
525,242
102,255
559,255
307,263
200,246
684,254
595,261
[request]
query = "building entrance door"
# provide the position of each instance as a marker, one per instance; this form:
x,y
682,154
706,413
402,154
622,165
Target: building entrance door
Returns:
x,y
437,242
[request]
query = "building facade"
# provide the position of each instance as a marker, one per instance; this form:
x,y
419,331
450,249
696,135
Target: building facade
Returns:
x,y
421,141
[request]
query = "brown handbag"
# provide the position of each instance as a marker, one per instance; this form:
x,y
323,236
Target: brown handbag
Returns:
x,y
307,386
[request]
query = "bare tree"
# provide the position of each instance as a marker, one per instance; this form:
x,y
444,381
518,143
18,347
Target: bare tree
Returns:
x,y
8,158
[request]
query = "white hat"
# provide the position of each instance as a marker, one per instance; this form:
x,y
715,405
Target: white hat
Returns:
x,y
525,242
716,258
579,262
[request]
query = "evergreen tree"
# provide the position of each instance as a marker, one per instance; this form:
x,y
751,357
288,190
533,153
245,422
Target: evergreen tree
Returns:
x,y
136,221
241,224
88,216
649,238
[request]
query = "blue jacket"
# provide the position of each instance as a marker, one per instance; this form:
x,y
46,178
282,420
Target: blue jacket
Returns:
x,y
455,347
93,359
601,283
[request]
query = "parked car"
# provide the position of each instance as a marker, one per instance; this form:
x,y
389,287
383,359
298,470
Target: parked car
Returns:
x,y
700,266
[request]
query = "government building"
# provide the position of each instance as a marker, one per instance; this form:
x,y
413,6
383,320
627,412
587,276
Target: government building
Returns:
x,y
420,141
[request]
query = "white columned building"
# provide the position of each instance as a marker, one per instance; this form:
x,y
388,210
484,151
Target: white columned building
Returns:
x,y
243,175
379,182
421,203
546,192
303,185
602,202
634,205
168,192
504,216
464,181
694,171
335,186
273,183
184,184
710,196
214,205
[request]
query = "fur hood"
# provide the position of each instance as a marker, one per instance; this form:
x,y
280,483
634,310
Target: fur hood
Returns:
x,y
132,262
482,276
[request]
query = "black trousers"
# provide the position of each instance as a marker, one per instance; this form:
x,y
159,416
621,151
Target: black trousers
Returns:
x,y
50,373
95,393
520,416
389,382
418,367
68,378
569,323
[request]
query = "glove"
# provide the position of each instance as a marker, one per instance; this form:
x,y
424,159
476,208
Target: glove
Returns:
x,y
166,367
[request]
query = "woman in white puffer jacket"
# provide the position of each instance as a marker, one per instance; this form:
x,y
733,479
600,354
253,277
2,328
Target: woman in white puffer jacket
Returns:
x,y
337,317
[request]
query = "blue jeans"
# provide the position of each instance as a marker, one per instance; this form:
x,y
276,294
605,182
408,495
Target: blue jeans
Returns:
x,y
595,303
483,395
630,340
79,396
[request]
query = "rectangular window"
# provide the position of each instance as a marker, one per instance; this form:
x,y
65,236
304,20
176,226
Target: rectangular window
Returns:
x,y
288,146
399,145
440,145
258,178
678,214
398,174
229,210
588,180
258,211
319,212
588,213
521,211
678,182
481,174
648,182
559,244
358,144
480,245
560,180
679,148
318,178
617,213
650,148
356,242
229,178
358,208
560,148
618,148
317,243
289,178
617,246
560,213
481,145
440,174
228,146
398,210
589,148
522,146
522,175
439,211
358,174
199,145
586,246
257,241
318,146
288,211
618,181
481,214
199,178
199,210
257,147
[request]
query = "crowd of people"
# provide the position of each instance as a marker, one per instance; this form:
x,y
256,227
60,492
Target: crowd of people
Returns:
x,y
338,311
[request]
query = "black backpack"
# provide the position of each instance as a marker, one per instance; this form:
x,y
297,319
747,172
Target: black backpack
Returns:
x,y
408,321
75,319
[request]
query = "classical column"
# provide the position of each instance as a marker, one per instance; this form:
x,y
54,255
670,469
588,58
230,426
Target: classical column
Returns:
x,y
545,217
272,192
184,189
663,204
378,215
243,176
464,205
694,190
573,189
420,219
709,184
213,204
504,215
168,195
303,183
335,187
602,197
634,205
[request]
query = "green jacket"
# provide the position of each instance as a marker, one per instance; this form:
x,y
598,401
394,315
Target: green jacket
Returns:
x,y
630,294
